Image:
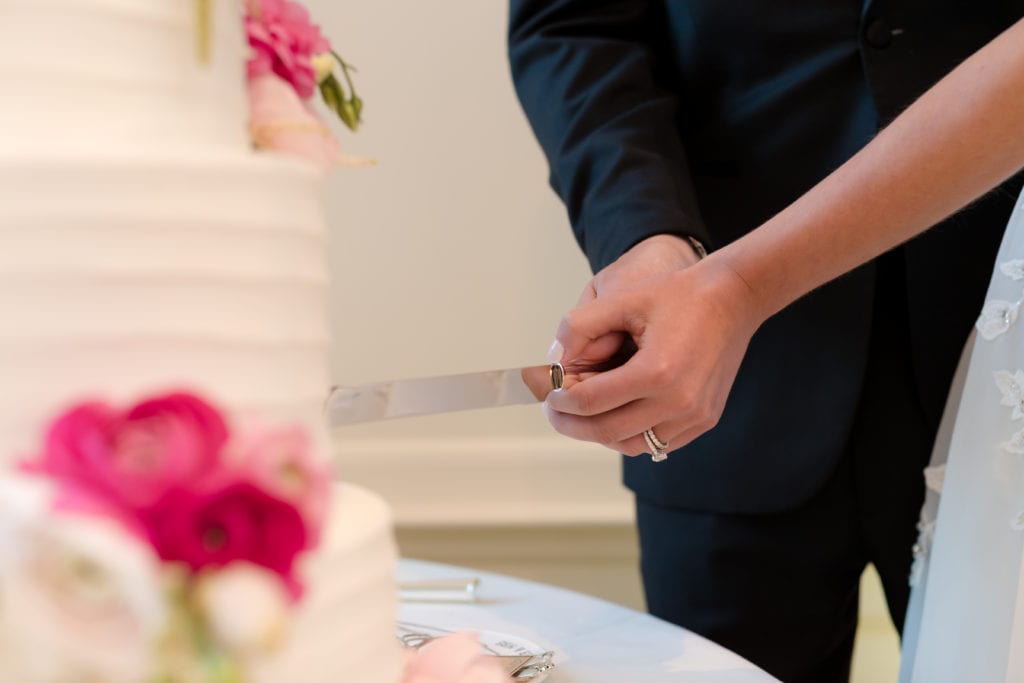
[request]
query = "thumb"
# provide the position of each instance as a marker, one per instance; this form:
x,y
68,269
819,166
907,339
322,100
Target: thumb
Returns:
x,y
582,329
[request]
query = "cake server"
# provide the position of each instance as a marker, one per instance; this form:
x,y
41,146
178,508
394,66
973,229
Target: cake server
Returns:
x,y
451,393
442,394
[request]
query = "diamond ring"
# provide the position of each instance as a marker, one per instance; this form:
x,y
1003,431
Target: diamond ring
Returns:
x,y
658,448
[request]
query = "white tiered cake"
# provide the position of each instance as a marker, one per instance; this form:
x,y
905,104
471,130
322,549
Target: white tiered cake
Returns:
x,y
144,246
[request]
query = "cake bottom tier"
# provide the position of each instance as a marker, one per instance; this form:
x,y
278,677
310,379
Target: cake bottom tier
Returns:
x,y
345,629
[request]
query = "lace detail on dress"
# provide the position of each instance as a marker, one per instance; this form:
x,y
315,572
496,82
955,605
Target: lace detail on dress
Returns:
x,y
996,318
1016,444
1012,387
926,532
934,477
1013,269
1017,523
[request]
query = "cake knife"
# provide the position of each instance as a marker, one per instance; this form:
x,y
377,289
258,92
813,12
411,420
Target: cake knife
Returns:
x,y
451,393
442,394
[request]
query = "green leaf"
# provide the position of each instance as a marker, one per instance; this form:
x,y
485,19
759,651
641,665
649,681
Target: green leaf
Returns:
x,y
330,90
348,115
348,108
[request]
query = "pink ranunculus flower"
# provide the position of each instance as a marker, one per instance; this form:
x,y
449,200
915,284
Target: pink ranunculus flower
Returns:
x,y
284,40
134,456
453,659
282,462
237,522
279,120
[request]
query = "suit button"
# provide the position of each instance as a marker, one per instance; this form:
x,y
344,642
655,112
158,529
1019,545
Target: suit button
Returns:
x,y
878,34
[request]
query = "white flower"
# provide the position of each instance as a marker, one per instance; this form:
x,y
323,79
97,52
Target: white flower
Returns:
x,y
246,607
934,477
80,598
1013,269
1013,394
996,318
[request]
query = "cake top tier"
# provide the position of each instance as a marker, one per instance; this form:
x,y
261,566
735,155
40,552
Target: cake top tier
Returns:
x,y
109,73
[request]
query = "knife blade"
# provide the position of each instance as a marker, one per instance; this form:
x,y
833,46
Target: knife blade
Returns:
x,y
441,394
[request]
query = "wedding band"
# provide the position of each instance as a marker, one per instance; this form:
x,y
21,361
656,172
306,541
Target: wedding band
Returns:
x,y
655,441
557,374
659,449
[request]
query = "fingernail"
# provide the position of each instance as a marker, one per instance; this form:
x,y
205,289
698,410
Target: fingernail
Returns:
x,y
556,352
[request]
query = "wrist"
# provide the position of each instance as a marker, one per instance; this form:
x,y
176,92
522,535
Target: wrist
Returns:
x,y
685,251
734,293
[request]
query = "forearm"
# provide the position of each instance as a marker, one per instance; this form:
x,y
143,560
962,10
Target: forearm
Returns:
x,y
584,71
959,140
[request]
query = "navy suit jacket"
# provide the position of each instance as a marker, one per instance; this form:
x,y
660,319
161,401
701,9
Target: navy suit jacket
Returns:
x,y
706,117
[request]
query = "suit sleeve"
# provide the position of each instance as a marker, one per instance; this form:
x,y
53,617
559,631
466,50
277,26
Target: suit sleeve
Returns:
x,y
585,73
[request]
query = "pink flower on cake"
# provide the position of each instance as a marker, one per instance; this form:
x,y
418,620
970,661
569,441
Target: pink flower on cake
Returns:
x,y
79,445
282,463
239,522
137,455
290,61
453,659
284,41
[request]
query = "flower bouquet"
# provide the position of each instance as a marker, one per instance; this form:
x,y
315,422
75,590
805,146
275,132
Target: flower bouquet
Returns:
x,y
153,543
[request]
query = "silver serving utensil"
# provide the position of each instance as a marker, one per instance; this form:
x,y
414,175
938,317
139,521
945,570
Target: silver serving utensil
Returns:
x,y
443,394
446,590
535,666
450,393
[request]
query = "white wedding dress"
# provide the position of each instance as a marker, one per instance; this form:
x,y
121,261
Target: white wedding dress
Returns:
x,y
965,623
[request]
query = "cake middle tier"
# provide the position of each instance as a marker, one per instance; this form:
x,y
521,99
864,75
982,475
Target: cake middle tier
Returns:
x,y
125,276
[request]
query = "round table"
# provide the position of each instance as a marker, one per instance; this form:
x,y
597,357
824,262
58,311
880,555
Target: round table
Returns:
x,y
595,641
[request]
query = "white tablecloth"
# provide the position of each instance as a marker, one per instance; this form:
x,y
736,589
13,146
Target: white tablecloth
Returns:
x,y
595,641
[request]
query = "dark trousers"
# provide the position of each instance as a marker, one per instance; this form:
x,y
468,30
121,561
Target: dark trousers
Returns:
x,y
782,590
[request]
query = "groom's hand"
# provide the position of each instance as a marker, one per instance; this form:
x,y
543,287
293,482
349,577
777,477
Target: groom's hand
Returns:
x,y
691,328
653,257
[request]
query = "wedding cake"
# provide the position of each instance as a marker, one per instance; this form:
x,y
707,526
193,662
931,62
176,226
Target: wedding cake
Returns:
x,y
146,250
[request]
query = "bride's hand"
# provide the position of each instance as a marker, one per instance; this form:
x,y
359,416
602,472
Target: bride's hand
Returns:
x,y
691,329
655,256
